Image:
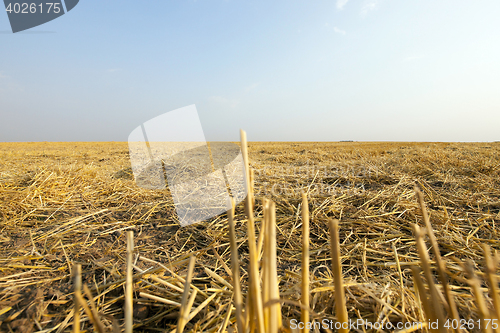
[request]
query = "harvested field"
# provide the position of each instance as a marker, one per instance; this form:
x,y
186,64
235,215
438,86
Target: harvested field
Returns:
x,y
63,204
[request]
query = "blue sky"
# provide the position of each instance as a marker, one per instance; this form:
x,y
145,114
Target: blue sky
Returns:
x,y
286,70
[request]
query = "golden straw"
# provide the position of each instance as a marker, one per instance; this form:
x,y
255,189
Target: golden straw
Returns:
x,y
491,268
94,314
235,266
272,274
184,312
439,262
77,270
422,294
475,283
256,297
340,304
129,292
437,309
304,315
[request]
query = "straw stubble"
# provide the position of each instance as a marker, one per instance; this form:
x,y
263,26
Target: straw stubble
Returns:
x,y
77,271
271,276
491,268
304,315
186,301
340,303
235,267
437,309
254,297
72,207
475,284
441,269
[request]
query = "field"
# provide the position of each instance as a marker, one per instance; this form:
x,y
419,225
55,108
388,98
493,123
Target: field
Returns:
x,y
63,204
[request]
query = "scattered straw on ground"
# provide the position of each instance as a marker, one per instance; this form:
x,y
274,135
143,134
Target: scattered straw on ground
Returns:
x,y
72,203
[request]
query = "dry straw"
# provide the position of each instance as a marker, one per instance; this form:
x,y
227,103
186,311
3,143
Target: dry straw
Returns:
x,y
433,305
93,314
422,294
255,307
235,266
270,274
435,300
340,303
129,285
441,269
475,283
187,302
304,316
61,205
491,269
77,271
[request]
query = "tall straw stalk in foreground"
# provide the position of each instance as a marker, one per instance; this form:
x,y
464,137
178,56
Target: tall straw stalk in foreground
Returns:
x,y
304,312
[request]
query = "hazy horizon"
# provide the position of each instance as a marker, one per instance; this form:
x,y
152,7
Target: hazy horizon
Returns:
x,y
286,71
249,141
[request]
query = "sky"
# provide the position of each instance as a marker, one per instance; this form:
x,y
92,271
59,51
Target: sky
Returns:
x,y
283,70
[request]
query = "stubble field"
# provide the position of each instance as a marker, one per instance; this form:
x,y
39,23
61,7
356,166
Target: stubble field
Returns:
x,y
71,203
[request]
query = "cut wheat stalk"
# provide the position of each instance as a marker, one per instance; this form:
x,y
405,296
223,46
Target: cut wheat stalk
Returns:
x,y
77,271
159,299
340,303
129,288
251,176
189,306
227,318
235,267
266,295
92,317
441,268
491,268
396,257
254,294
422,294
271,289
223,262
95,316
180,278
260,240
304,298
161,281
218,278
475,284
184,311
275,286
201,306
437,308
